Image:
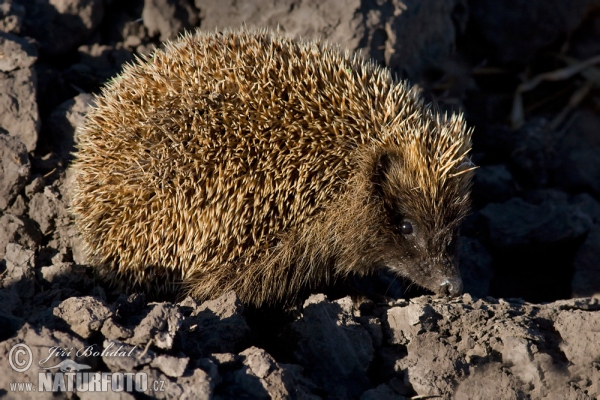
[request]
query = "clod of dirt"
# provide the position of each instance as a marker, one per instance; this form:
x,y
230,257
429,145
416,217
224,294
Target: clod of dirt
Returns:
x,y
215,326
84,315
43,209
19,263
18,107
14,169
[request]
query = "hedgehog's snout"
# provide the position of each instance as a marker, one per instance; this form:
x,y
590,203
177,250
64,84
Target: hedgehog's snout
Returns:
x,y
451,287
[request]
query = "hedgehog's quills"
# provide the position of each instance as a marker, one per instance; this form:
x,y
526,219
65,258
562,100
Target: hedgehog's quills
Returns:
x,y
267,165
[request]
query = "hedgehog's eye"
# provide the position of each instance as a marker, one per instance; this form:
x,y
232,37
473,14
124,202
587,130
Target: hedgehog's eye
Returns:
x,y
406,227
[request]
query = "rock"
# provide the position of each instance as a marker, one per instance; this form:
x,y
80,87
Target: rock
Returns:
x,y
43,209
35,186
492,184
216,326
381,392
64,122
170,366
533,153
17,52
11,16
169,18
409,37
580,334
586,280
14,168
432,365
44,348
19,274
84,315
64,273
20,230
18,107
9,325
518,223
199,385
18,207
333,346
516,32
588,205
476,266
405,323
263,377
114,331
159,326
62,25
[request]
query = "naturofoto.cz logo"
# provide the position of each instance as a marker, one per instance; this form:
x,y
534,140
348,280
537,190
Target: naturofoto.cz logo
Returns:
x,y
70,376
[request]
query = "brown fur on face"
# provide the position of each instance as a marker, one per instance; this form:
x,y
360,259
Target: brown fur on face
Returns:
x,y
263,164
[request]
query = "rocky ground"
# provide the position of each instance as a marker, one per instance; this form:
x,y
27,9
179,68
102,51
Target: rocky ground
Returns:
x,y
526,75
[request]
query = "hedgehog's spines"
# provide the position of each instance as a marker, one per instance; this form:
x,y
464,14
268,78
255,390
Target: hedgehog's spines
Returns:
x,y
219,152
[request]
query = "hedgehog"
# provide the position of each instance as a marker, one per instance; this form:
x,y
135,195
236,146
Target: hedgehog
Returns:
x,y
253,161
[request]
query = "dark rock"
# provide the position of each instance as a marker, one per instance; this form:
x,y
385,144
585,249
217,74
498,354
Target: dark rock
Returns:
x,y
381,392
518,223
515,31
14,169
588,205
578,168
476,267
492,184
533,154
62,25
9,325
586,280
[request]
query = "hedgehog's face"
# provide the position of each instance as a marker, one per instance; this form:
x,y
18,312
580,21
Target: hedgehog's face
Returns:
x,y
421,225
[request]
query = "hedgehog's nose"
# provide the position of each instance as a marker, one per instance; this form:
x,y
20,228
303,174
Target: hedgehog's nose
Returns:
x,y
451,287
